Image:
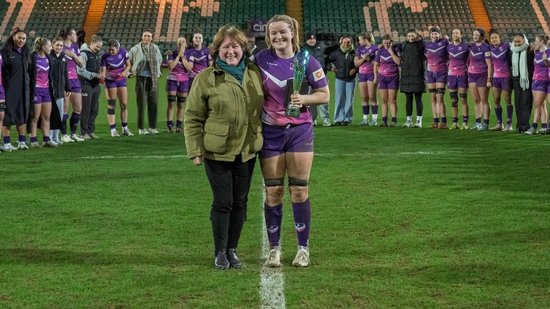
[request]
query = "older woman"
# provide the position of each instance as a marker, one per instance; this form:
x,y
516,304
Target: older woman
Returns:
x,y
223,131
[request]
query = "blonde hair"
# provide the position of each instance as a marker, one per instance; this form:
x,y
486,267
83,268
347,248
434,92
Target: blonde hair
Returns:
x,y
39,44
292,24
95,39
367,36
232,32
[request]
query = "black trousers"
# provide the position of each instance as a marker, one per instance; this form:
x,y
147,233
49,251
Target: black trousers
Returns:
x,y
409,103
230,183
145,92
523,103
90,108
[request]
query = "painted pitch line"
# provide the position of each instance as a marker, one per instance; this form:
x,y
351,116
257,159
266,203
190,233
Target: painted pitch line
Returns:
x,y
272,280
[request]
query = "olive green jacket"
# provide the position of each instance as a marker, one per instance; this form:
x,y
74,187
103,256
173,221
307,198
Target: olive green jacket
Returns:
x,y
222,117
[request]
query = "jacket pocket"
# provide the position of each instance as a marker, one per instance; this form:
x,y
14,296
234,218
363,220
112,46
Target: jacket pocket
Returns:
x,y
215,137
257,137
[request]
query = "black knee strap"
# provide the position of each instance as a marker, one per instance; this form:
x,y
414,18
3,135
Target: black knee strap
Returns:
x,y
297,182
440,91
453,95
171,98
432,90
111,102
181,100
2,106
111,111
276,182
464,95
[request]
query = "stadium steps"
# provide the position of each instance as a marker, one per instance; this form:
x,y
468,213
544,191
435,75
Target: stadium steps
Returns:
x,y
513,16
93,17
479,13
294,9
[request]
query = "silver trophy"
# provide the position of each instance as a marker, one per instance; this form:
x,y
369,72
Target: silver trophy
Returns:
x,y
301,61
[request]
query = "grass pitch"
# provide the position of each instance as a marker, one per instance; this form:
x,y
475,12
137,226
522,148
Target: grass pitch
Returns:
x,y
401,218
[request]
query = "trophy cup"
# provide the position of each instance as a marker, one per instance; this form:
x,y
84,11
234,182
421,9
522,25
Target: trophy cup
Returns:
x,y
301,61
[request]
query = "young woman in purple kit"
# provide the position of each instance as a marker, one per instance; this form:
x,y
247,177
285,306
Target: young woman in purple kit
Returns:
x,y
480,78
386,76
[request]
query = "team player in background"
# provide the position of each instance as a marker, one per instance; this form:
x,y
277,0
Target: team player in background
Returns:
x,y
480,75
436,58
42,107
61,88
386,75
500,56
364,59
17,75
72,56
288,141
115,65
198,55
541,85
457,80
177,85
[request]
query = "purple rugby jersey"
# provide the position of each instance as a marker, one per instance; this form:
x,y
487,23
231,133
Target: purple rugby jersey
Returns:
x,y
42,71
277,73
437,56
387,67
199,58
367,66
478,55
458,59
179,72
115,64
501,60
71,64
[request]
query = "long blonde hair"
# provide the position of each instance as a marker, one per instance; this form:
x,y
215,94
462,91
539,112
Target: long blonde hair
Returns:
x,y
292,24
39,44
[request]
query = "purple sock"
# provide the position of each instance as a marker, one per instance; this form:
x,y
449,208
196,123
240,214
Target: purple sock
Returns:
x,y
124,124
75,118
365,109
544,126
302,219
478,120
436,120
455,119
22,138
375,109
486,121
170,124
179,124
535,125
33,139
509,113
45,138
393,119
7,140
465,119
444,119
273,219
113,126
384,119
498,112
64,124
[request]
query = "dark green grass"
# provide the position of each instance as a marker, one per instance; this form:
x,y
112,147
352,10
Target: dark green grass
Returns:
x,y
401,218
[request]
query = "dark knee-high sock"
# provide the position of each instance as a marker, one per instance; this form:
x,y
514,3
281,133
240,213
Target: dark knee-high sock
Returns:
x,y
273,220
302,219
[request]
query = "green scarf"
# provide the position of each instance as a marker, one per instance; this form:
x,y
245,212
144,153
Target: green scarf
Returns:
x,y
346,51
235,71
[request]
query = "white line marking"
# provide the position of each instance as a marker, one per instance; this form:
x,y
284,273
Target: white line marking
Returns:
x,y
132,157
272,280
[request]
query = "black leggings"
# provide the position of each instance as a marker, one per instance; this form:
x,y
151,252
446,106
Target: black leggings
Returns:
x,y
409,103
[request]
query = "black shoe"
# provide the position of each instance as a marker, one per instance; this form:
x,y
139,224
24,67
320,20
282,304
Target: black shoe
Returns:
x,y
234,261
337,124
221,261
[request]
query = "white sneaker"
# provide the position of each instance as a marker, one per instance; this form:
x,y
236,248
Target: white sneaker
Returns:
x,y
58,142
50,143
2,148
531,131
373,123
143,132
408,124
126,131
418,123
66,139
86,137
274,258
22,146
76,138
326,123
114,133
8,147
302,258
365,122
35,145
153,131
508,128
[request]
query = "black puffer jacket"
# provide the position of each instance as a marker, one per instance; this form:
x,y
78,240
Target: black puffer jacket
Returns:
x,y
413,61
